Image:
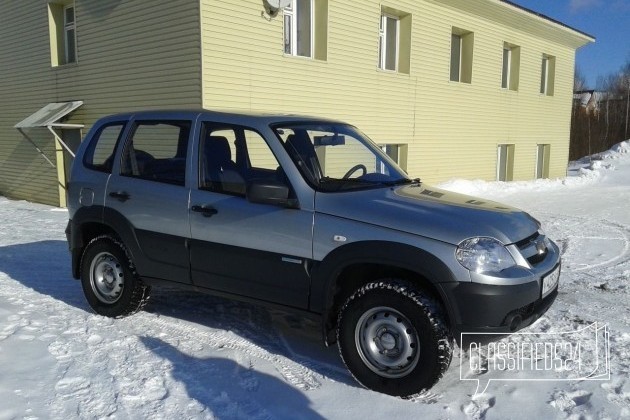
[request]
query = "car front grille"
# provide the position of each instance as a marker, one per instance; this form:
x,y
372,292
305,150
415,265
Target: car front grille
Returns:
x,y
533,248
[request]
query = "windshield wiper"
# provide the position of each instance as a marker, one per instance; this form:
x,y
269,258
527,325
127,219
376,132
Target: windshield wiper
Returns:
x,y
402,181
338,184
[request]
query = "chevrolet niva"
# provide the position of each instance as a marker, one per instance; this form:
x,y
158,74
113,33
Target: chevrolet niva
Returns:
x,y
310,215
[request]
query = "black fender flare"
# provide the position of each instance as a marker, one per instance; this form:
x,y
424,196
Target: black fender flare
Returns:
x,y
326,274
112,221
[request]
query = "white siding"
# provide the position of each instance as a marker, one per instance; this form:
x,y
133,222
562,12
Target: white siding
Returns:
x,y
131,55
452,129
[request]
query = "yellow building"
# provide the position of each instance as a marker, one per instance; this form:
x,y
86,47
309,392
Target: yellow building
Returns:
x,y
451,88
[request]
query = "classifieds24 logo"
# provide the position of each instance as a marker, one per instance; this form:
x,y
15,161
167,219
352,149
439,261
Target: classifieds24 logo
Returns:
x,y
582,354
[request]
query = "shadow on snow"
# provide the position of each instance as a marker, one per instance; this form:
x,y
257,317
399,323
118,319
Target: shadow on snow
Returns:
x,y
230,390
45,267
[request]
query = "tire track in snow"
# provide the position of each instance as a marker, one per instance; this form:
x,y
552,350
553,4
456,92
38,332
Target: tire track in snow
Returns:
x,y
571,233
610,275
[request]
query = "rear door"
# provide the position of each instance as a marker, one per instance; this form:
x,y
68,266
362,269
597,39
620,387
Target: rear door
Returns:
x,y
243,248
148,190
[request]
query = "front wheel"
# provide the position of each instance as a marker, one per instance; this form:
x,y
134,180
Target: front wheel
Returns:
x,y
109,279
393,338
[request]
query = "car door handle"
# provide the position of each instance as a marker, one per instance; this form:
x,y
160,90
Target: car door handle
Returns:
x,y
120,195
205,210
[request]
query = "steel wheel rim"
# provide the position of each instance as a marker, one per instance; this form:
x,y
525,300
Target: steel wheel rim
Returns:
x,y
106,277
387,342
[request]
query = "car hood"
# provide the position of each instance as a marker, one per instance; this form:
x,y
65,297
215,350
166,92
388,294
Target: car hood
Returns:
x,y
430,212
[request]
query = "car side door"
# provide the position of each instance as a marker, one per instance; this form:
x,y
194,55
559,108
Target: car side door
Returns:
x,y
239,247
147,196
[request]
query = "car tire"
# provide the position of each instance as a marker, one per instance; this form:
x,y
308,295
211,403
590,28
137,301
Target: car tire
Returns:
x,y
109,279
393,338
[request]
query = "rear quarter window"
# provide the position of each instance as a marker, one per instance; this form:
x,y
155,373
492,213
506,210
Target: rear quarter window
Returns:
x,y
100,153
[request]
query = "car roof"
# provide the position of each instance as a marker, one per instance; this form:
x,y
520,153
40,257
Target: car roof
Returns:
x,y
227,116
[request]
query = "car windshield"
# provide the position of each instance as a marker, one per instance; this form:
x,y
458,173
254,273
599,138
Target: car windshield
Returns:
x,y
338,157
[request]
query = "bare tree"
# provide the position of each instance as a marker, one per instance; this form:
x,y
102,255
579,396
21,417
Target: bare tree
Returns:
x,y
600,118
579,81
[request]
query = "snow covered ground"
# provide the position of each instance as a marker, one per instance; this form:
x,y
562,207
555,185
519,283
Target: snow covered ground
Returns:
x,y
194,356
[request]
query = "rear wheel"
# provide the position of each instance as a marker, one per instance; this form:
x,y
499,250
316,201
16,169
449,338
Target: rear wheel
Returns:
x,y
393,338
109,279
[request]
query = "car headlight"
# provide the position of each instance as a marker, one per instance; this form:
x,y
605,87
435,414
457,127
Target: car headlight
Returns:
x,y
483,255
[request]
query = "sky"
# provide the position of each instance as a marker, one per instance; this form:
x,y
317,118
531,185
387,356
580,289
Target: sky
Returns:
x,y
607,20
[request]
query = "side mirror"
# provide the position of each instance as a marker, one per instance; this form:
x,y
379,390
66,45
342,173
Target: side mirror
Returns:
x,y
270,192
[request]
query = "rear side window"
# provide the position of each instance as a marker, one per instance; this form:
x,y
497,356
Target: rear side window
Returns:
x,y
157,151
100,153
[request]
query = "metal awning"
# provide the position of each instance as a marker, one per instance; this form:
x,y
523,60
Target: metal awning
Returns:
x,y
49,117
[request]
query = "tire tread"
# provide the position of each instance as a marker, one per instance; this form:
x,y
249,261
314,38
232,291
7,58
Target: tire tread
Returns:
x,y
141,292
431,309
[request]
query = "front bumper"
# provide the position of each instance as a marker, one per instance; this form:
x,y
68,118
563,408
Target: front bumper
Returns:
x,y
497,309
505,303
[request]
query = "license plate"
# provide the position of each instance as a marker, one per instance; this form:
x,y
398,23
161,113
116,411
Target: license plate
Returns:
x,y
550,281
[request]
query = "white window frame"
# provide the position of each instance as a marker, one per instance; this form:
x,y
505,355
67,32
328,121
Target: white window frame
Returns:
x,y
540,160
67,27
460,41
500,161
386,148
507,68
382,34
544,76
290,13
503,161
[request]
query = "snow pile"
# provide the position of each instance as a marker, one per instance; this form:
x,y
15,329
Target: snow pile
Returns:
x,y
585,171
622,148
602,160
615,152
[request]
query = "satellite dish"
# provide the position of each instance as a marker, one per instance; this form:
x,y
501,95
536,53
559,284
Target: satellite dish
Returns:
x,y
278,4
272,7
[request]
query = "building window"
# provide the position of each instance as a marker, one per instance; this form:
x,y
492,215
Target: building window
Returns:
x,y
63,33
505,162
461,55
547,75
306,28
298,28
394,41
511,64
397,152
388,42
505,74
543,152
69,31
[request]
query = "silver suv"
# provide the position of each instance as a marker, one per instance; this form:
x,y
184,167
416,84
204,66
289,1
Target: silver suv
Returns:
x,y
308,214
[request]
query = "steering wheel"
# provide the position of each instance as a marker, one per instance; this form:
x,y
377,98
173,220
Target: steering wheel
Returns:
x,y
354,169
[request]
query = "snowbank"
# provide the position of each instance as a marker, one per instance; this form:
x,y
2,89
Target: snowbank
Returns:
x,y
585,171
